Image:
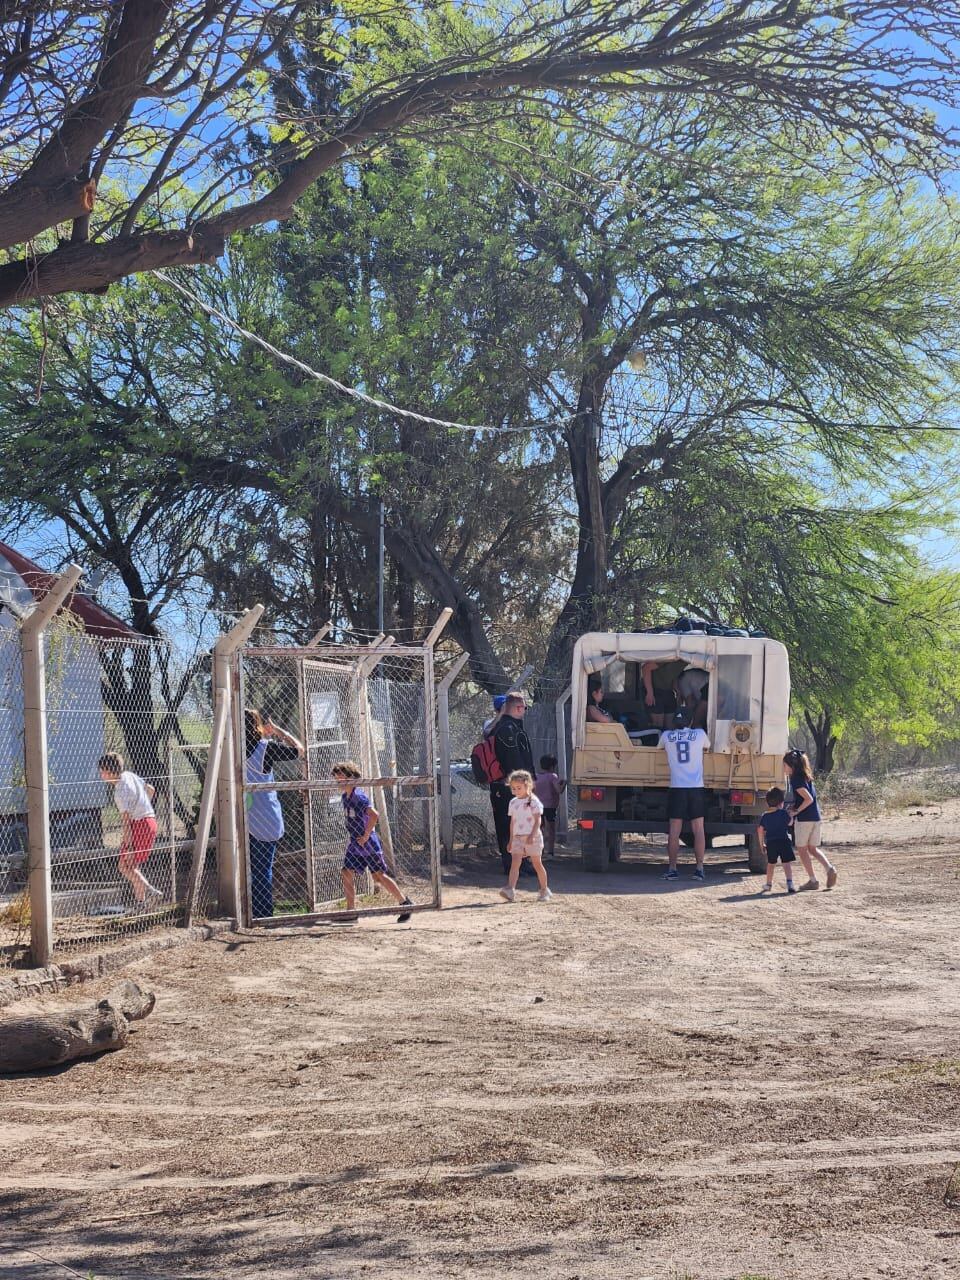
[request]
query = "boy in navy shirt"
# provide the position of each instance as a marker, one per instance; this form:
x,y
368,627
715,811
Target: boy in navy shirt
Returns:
x,y
776,839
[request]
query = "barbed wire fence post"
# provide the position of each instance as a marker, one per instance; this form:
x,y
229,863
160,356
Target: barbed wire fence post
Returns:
x,y
446,759
36,771
228,860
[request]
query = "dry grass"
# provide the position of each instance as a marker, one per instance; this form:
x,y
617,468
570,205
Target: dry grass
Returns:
x,y
886,793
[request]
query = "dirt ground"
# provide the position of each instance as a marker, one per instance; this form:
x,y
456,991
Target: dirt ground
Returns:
x,y
639,1080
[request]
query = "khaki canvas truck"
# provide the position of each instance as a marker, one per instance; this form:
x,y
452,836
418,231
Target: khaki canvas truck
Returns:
x,y
620,776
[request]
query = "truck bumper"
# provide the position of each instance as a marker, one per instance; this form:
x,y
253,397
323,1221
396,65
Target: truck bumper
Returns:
x,y
645,826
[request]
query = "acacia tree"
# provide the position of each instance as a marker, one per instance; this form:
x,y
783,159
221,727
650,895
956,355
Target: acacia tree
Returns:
x,y
872,630
108,109
807,309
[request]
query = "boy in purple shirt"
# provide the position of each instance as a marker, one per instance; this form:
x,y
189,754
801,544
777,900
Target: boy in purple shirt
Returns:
x,y
364,851
548,789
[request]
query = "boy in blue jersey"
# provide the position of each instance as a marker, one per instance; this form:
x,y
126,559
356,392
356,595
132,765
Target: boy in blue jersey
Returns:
x,y
687,799
776,838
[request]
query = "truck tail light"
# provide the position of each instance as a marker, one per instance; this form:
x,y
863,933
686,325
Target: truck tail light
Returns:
x,y
743,797
586,824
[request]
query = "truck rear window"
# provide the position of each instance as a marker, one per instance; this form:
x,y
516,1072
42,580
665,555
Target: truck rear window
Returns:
x,y
733,686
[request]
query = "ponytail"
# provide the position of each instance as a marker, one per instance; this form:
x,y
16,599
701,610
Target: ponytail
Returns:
x,y
799,762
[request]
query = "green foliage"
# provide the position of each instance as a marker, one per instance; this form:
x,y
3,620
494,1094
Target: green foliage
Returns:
x,y
768,459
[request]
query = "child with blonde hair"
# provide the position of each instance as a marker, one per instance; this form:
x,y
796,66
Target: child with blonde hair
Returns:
x,y
526,835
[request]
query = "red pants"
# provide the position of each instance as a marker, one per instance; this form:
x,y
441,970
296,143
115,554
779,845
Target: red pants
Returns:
x,y
143,833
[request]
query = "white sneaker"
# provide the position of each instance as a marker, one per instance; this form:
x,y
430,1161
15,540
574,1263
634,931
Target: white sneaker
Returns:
x,y
507,894
544,896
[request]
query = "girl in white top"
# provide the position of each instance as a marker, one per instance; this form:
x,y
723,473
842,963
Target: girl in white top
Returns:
x,y
526,836
134,800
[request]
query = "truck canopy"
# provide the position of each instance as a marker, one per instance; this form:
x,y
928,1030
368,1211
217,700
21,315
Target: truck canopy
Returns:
x,y
749,679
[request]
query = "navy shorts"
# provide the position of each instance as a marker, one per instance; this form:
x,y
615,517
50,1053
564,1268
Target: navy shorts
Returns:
x,y
781,850
364,858
686,803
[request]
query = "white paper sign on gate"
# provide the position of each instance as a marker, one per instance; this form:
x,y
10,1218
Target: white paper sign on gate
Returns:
x,y
324,712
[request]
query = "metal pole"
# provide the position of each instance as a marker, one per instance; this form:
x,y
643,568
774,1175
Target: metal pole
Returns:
x,y
563,824
443,720
366,668
221,715
380,567
224,652
35,764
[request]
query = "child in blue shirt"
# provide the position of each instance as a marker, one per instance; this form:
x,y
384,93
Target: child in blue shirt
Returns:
x,y
364,850
776,839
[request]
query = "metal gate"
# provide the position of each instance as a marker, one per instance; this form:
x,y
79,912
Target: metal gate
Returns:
x,y
373,705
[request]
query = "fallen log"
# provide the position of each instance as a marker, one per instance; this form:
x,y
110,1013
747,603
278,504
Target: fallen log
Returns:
x,y
35,1041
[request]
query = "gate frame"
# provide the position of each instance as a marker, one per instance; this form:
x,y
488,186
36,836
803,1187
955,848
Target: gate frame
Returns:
x,y
378,649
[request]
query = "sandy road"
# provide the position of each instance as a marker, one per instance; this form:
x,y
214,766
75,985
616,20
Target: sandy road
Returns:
x,y
637,1080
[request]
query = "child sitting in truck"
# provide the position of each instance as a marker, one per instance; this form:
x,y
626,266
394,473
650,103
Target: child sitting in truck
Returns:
x,y
776,839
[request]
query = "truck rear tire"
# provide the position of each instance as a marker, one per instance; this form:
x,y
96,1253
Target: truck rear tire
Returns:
x,y
594,849
614,845
755,855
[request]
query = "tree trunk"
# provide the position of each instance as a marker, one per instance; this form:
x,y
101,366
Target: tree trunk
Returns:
x,y
584,608
825,740
37,1041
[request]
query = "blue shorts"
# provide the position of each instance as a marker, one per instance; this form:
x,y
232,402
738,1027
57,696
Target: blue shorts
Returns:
x,y
368,857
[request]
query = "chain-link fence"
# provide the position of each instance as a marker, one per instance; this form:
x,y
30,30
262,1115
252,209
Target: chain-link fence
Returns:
x,y
303,714
126,729
470,709
14,902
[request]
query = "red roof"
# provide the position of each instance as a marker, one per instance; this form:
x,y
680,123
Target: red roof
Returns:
x,y
96,620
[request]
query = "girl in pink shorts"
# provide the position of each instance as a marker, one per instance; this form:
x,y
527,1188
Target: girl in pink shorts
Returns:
x,y
526,835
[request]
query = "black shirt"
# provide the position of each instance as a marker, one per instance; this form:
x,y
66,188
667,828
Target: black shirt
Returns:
x,y
277,751
512,746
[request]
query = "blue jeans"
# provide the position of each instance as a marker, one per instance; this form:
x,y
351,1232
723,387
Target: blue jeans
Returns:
x,y
262,854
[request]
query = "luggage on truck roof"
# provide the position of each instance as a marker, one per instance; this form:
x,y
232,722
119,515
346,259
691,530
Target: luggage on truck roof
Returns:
x,y
688,626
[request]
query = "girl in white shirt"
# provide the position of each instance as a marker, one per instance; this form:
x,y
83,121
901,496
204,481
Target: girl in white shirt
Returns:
x,y
134,800
526,836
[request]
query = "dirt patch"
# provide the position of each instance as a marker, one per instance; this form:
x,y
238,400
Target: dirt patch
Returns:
x,y
713,1085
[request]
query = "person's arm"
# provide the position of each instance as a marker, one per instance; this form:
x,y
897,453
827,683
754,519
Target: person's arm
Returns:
x,y
150,789
596,716
805,798
372,819
537,820
762,836
647,671
272,730
510,836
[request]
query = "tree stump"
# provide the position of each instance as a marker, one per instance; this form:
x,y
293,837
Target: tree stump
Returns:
x,y
36,1041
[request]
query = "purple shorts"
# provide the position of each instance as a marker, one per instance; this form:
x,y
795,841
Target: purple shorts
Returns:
x,y
365,857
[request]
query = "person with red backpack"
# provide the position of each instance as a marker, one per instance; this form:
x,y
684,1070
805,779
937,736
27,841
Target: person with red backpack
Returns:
x,y
513,751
